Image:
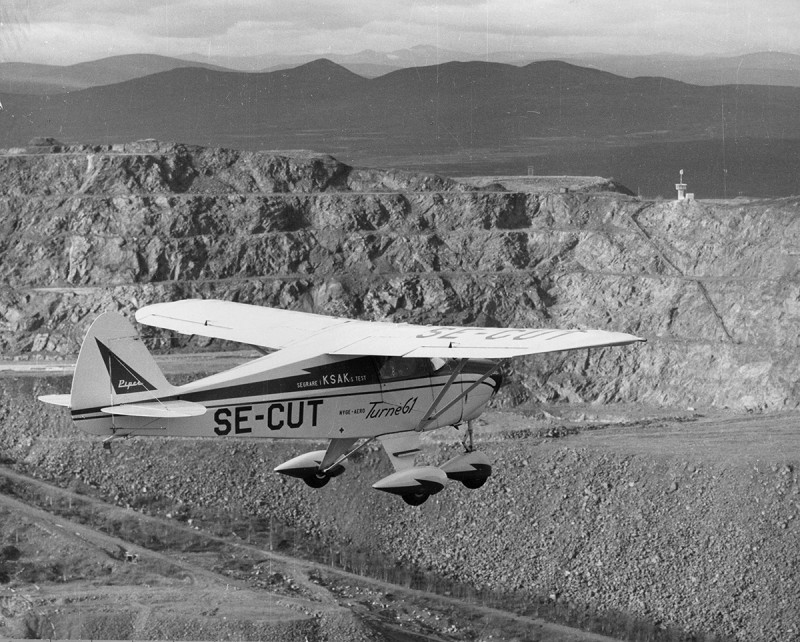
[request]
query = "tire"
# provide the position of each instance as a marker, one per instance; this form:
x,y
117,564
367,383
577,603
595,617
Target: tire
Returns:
x,y
474,483
317,480
415,499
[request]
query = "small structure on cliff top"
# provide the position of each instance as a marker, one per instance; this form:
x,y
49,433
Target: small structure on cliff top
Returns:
x,y
681,187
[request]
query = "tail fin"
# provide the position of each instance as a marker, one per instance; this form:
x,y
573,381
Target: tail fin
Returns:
x,y
114,367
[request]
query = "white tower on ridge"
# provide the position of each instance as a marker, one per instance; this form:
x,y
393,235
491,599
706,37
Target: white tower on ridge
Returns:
x,y
681,187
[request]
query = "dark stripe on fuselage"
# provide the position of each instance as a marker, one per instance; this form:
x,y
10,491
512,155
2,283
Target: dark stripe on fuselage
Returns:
x,y
357,372
361,371
424,384
342,374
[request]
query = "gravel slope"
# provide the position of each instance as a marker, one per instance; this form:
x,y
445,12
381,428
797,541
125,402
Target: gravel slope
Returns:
x,y
689,522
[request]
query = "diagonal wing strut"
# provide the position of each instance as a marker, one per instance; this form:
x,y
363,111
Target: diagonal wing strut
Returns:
x,y
432,413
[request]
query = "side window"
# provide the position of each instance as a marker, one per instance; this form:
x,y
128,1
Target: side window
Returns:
x,y
394,368
443,366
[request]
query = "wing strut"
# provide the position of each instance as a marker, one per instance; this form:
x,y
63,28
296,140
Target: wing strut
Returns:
x,y
430,417
426,418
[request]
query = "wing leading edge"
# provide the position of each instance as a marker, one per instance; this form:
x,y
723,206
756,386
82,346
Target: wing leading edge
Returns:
x,y
254,325
278,329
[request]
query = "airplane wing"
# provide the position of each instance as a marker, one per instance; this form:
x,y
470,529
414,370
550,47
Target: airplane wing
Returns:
x,y
241,322
484,343
278,329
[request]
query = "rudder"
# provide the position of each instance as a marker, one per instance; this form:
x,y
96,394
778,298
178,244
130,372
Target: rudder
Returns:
x,y
114,367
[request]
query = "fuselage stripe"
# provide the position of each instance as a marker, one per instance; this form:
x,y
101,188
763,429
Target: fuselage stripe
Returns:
x,y
97,413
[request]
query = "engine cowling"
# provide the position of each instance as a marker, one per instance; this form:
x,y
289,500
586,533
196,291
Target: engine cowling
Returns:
x,y
472,469
414,484
307,468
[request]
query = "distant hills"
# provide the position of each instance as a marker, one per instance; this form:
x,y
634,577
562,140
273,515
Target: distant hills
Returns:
x,y
765,68
768,68
442,107
459,117
29,78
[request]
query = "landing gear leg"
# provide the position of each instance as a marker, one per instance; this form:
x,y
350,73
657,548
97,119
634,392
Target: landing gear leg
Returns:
x,y
472,468
467,442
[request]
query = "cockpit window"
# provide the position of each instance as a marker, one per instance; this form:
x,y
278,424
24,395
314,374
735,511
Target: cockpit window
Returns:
x,y
404,368
443,366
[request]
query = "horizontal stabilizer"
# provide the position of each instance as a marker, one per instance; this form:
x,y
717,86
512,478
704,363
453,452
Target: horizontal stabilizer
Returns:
x,y
163,409
57,400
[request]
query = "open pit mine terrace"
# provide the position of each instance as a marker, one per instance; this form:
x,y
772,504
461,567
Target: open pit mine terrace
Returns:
x,y
646,492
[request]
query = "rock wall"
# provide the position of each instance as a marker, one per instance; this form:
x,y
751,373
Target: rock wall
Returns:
x,y
712,286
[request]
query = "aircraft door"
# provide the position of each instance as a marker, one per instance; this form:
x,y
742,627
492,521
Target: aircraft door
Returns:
x,y
442,370
406,393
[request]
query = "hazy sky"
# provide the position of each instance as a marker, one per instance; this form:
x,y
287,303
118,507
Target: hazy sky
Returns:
x,y
69,31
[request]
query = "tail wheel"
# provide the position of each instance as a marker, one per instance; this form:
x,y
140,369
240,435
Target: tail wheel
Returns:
x,y
415,499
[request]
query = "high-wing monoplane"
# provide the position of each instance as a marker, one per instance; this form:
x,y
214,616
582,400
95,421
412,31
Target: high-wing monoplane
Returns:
x,y
342,380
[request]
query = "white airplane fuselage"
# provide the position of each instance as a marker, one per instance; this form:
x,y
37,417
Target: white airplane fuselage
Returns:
x,y
325,397
341,380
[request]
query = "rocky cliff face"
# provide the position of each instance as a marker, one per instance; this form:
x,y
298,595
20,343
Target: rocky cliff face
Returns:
x,y
713,286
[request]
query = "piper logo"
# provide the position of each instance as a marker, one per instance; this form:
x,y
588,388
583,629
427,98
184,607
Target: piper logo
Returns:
x,y
122,384
124,379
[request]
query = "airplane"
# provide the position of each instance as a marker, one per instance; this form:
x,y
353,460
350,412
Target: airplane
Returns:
x,y
346,381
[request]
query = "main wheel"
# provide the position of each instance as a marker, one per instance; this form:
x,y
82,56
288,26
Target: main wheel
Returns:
x,y
415,499
317,480
474,482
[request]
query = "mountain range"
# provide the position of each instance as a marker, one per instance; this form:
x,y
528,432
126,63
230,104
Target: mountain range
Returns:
x,y
766,68
456,117
30,78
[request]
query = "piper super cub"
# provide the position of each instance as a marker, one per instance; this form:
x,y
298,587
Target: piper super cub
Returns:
x,y
346,381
